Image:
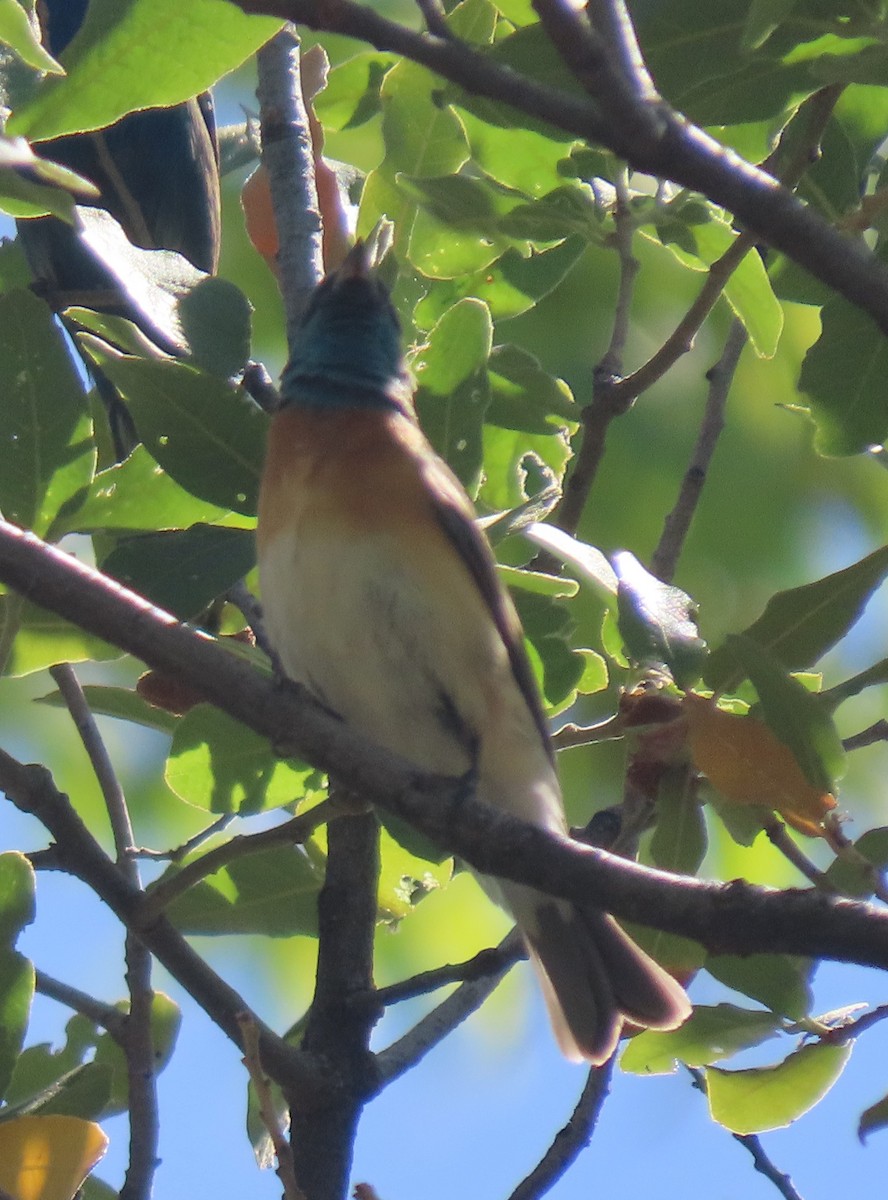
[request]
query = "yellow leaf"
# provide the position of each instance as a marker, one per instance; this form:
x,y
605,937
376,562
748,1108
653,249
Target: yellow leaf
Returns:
x,y
743,760
48,1158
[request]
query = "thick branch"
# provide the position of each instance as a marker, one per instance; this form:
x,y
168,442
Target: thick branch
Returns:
x,y
732,918
651,136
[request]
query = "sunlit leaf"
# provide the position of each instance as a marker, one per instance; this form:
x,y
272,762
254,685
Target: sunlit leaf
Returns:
x,y
773,1097
709,1034
47,1158
744,760
656,621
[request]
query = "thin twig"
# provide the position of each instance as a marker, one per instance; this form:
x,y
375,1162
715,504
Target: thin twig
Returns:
x,y
435,18
106,1015
752,1143
138,1044
854,1029
428,1032
100,760
252,1060
492,961
611,364
293,832
189,845
288,157
780,839
32,790
572,1139
611,729
678,522
877,732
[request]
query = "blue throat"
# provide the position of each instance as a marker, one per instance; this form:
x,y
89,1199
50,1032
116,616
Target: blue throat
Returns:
x,y
347,353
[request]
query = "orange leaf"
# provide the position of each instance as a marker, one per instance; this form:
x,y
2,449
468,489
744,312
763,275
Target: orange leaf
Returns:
x,y
48,1158
743,760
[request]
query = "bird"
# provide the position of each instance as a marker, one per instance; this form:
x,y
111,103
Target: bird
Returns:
x,y
380,595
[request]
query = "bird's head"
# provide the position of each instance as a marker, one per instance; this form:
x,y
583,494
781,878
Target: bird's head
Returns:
x,y
347,352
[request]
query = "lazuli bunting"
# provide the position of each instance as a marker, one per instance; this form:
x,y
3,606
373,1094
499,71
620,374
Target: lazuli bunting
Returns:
x,y
381,596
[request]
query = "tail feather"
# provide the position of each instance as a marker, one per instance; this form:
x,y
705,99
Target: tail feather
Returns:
x,y
593,975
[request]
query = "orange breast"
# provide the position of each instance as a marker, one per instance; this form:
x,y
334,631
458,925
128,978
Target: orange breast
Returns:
x,y
354,470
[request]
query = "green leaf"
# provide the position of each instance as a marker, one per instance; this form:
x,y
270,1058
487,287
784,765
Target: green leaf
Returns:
x,y
120,61
454,230
796,716
17,899
451,370
200,429
137,494
547,626
524,396
273,893
656,621
679,840
509,286
46,454
421,137
709,1034
118,702
18,32
872,1119
215,319
762,19
16,994
218,764
536,581
566,211
777,980
83,1092
843,375
166,1019
41,1071
183,570
351,96
772,1097
517,158
799,626
42,638
857,874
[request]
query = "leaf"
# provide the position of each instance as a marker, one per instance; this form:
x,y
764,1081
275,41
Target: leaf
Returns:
x,y
31,186
709,1034
587,560
777,980
16,994
656,621
17,31
524,396
215,319
743,759
452,395
798,626
120,61
351,95
843,375
137,494
273,892
119,702
421,137
166,1019
217,764
42,638
765,1098
47,1158
872,1119
183,570
857,874
797,716
762,19
17,895
547,626
46,454
679,840
200,429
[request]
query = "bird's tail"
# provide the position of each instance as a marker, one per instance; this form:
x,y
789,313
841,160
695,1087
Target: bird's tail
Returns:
x,y
593,975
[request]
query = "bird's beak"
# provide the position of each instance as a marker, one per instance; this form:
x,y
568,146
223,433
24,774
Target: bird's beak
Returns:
x,y
356,264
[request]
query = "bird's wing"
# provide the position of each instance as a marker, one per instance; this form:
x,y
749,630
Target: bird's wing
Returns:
x,y
454,513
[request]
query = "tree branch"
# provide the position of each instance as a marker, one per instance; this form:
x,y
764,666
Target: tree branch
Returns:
x,y
650,135
31,789
729,918
572,1139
